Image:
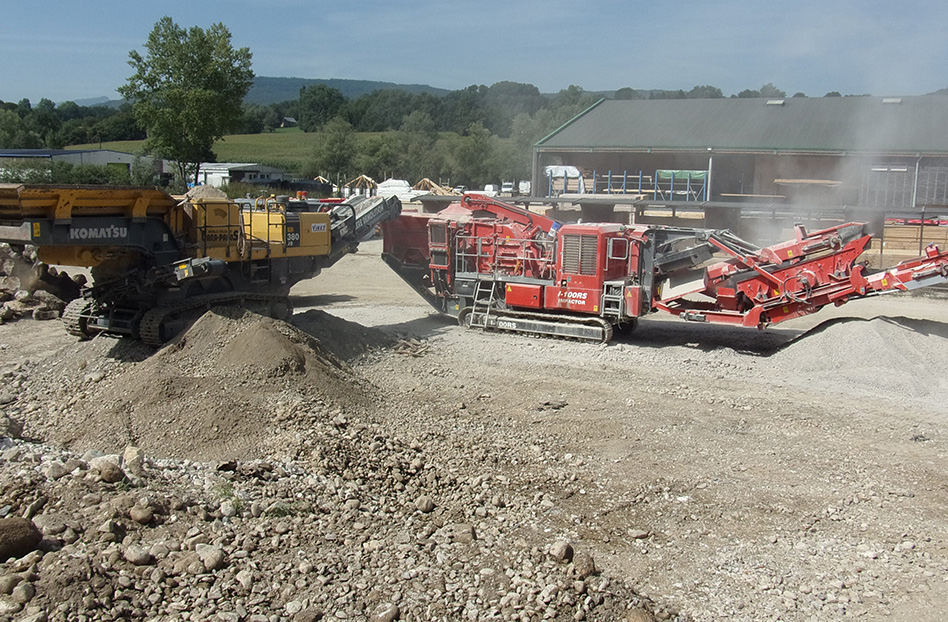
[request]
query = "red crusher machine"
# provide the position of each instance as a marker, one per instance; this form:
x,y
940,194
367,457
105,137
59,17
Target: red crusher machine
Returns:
x,y
494,265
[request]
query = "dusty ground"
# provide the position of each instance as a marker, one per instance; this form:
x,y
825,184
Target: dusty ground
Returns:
x,y
720,473
777,474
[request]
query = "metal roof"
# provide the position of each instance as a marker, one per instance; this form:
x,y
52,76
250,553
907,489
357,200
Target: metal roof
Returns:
x,y
905,125
50,153
37,153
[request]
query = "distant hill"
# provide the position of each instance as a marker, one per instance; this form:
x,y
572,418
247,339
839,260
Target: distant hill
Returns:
x,y
93,101
266,90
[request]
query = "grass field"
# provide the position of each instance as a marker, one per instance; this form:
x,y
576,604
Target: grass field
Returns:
x,y
284,148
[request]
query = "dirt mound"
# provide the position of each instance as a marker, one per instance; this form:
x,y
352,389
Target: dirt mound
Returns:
x,y
234,385
345,339
891,357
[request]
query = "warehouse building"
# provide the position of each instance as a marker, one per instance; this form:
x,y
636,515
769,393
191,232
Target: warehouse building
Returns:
x,y
878,155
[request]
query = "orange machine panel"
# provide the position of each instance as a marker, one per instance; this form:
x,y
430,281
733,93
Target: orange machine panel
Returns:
x,y
524,295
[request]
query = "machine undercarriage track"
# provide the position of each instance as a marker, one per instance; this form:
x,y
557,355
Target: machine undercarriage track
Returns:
x,y
75,317
528,322
158,325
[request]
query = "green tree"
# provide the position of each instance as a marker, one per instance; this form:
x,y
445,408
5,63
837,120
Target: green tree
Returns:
x,y
472,153
187,91
416,141
769,90
627,92
380,110
462,108
16,134
505,100
335,151
378,156
45,121
705,92
318,104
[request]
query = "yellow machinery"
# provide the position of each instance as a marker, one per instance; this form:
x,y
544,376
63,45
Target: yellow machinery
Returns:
x,y
156,259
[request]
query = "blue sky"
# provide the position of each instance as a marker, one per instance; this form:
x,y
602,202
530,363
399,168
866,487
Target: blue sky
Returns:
x,y
76,50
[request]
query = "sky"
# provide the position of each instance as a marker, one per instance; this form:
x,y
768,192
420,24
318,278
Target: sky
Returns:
x,y
69,50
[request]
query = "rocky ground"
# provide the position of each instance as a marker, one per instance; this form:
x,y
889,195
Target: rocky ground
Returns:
x,y
373,461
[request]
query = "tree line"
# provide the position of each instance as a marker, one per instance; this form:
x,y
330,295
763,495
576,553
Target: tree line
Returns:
x,y
188,88
477,135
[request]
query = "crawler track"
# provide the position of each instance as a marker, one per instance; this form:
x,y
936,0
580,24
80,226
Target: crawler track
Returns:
x,y
528,322
156,326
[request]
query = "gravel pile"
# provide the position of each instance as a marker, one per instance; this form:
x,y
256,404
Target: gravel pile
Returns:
x,y
896,358
246,473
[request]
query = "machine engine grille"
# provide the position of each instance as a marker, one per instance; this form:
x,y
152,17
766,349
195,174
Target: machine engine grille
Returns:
x,y
579,253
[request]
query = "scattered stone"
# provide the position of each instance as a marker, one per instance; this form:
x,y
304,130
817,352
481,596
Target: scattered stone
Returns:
x,y
463,532
583,565
23,593
8,582
18,536
424,504
9,427
228,509
141,515
41,314
561,551
49,524
245,578
387,612
134,460
307,615
34,616
9,606
55,470
211,556
109,471
137,555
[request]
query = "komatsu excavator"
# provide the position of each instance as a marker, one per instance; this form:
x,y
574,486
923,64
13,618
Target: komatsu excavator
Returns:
x,y
158,260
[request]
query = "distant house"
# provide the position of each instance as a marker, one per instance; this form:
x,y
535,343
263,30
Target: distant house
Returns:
x,y
218,174
288,122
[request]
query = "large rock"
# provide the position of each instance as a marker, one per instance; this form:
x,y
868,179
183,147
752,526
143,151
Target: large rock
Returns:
x,y
584,565
108,469
18,536
561,551
134,460
9,426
